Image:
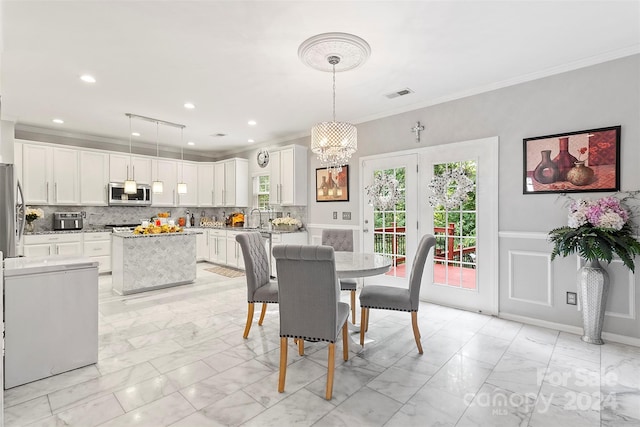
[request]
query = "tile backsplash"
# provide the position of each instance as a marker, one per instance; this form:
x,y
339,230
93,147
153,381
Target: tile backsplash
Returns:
x,y
98,216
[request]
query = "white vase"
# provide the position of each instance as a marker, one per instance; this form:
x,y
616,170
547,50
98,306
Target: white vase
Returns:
x,y
593,282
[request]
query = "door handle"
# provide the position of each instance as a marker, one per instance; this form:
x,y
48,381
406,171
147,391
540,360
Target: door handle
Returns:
x,y
47,192
22,211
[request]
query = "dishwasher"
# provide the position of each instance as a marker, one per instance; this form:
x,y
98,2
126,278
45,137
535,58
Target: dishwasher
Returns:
x,y
51,316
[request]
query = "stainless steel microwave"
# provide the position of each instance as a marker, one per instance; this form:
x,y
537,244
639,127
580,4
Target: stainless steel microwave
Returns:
x,y
117,196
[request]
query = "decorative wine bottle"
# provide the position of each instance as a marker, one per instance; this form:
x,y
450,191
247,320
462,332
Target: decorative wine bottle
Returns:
x,y
546,172
564,160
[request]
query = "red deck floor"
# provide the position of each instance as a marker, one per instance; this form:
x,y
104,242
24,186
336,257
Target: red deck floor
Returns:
x,y
440,275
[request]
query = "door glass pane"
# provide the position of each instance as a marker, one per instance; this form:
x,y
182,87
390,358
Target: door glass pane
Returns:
x,y
455,231
389,236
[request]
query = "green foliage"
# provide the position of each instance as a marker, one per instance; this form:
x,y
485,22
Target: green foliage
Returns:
x,y
593,243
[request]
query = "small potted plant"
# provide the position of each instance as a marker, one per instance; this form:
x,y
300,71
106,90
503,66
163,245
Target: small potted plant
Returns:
x,y
596,230
31,215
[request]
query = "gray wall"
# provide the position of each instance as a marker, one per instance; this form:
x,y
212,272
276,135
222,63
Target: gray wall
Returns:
x,y
603,95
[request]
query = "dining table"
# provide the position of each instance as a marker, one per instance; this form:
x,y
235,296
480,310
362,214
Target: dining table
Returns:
x,y
351,265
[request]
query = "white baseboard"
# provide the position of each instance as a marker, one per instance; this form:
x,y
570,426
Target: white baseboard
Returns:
x,y
607,336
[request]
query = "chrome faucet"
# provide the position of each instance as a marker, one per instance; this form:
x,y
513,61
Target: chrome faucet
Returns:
x,y
260,215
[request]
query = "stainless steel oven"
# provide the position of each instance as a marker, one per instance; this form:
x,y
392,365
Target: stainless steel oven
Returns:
x,y
117,196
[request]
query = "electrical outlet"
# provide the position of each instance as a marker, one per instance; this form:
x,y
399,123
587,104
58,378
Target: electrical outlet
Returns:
x,y
572,298
346,216
83,214
335,215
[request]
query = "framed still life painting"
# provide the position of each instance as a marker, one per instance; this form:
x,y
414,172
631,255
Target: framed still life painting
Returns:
x,y
332,187
574,162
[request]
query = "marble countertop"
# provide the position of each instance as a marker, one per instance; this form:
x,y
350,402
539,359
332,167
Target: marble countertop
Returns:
x,y
84,230
131,235
101,229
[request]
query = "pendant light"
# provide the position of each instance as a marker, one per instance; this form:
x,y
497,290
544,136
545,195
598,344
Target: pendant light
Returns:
x,y
334,142
157,187
130,186
182,186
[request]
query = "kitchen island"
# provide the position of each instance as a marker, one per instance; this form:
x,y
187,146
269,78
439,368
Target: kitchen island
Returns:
x,y
143,262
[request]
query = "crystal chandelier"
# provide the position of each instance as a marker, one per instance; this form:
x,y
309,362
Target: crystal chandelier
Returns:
x,y
334,142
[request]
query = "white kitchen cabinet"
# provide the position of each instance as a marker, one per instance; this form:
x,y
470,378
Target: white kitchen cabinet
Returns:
x,y
234,251
119,165
50,175
188,173
52,244
231,183
94,171
218,246
202,244
205,184
37,173
167,172
288,179
66,176
97,246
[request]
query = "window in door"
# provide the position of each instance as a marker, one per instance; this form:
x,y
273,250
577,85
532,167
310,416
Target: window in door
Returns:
x,y
389,234
455,260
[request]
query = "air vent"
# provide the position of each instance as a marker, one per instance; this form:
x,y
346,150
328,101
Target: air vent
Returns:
x,y
401,92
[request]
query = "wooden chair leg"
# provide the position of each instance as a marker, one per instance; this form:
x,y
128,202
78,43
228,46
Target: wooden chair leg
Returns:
x,y
416,331
283,364
300,346
249,321
353,307
262,313
345,341
330,369
366,322
363,321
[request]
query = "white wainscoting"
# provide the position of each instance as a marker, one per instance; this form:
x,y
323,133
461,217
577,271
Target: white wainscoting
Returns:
x,y
518,276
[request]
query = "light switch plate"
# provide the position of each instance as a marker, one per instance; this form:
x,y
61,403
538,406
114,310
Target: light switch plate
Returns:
x,y
335,215
346,216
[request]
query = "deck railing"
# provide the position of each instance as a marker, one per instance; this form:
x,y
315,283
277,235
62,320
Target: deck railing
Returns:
x,y
391,241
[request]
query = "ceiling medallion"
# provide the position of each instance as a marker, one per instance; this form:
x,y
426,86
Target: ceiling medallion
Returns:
x,y
350,49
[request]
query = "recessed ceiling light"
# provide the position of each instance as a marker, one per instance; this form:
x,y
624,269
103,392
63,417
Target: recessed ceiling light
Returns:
x,y
191,143
88,78
58,121
135,133
252,123
189,106
250,140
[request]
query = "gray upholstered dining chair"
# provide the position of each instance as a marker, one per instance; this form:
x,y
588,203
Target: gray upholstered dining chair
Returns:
x,y
310,307
342,240
260,287
401,299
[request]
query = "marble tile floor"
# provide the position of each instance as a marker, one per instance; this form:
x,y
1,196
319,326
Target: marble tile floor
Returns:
x,y
176,357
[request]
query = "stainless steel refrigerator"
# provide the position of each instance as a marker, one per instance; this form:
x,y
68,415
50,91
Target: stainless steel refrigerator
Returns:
x,y
12,211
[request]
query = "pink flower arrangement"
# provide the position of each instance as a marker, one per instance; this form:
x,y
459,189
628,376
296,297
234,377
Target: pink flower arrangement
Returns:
x,y
602,213
596,230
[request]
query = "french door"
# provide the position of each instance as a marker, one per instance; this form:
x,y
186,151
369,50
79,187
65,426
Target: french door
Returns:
x,y
462,269
392,231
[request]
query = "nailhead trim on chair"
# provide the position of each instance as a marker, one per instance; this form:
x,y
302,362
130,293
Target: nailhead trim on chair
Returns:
x,y
386,308
306,338
263,302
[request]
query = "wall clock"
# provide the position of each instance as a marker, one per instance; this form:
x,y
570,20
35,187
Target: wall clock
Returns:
x,y
263,158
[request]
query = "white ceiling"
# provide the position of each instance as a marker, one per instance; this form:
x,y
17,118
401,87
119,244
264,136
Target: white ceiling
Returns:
x,y
237,60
